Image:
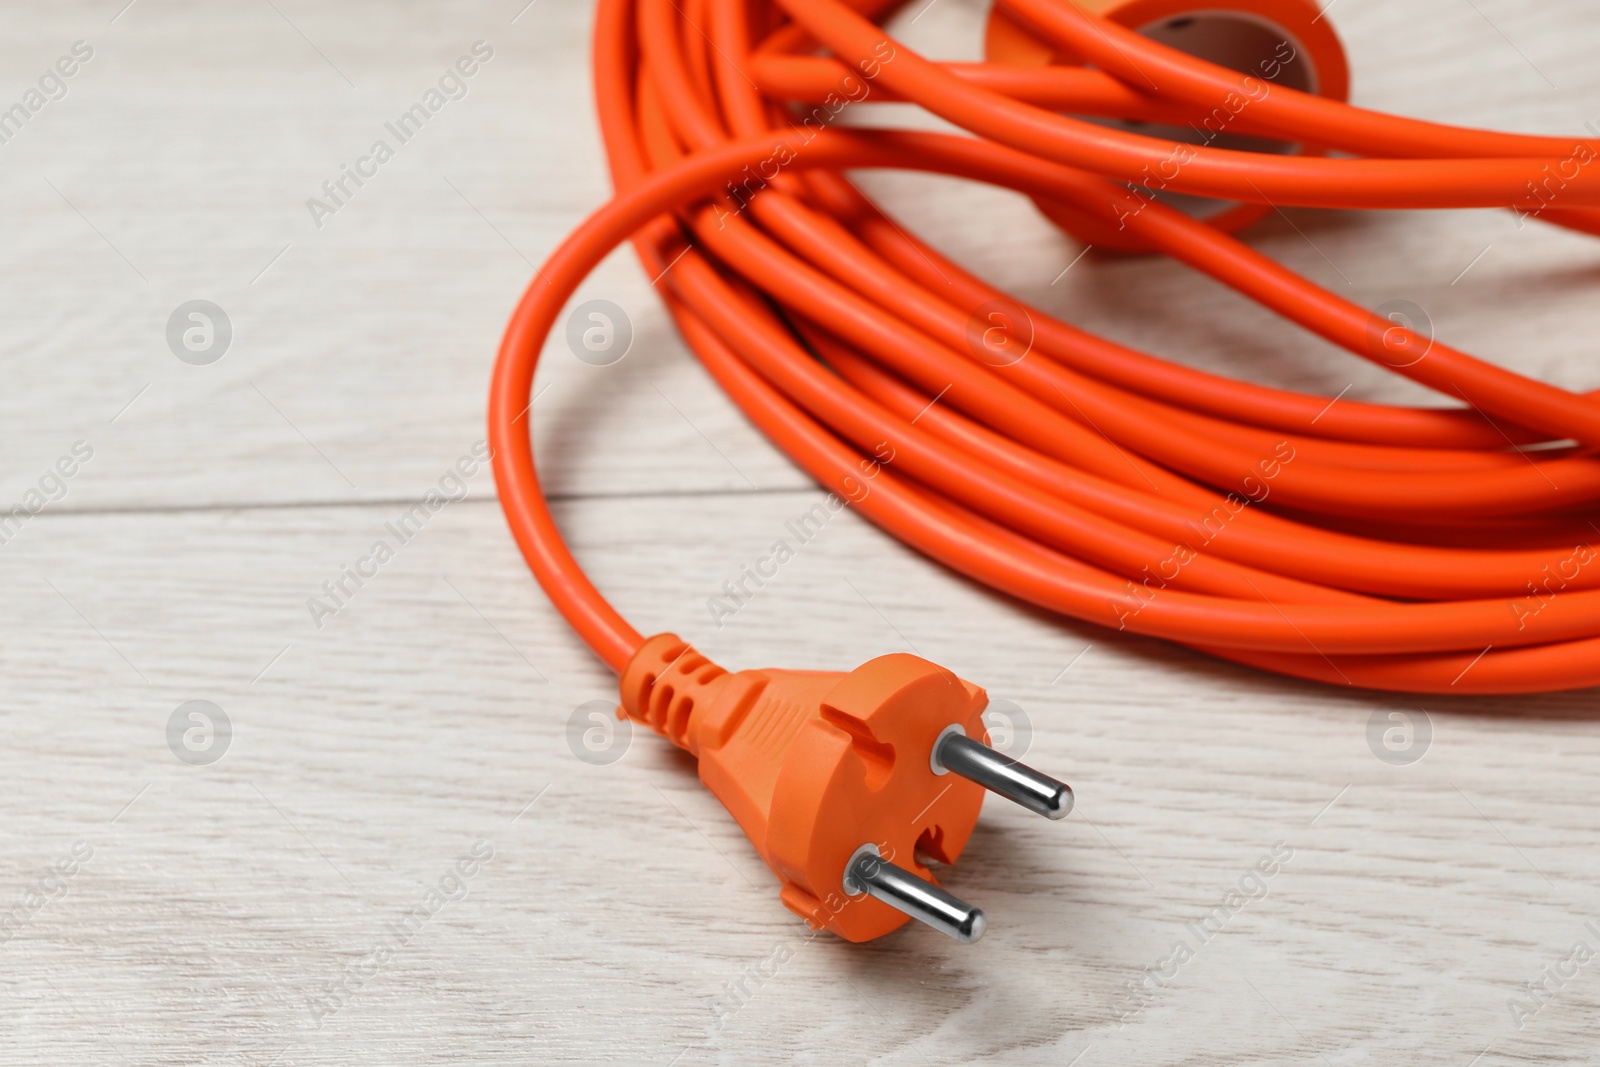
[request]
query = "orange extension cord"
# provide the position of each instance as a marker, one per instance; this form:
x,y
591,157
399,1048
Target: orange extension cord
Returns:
x,y
1441,550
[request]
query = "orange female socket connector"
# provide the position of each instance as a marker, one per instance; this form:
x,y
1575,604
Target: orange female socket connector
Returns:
x,y
1277,43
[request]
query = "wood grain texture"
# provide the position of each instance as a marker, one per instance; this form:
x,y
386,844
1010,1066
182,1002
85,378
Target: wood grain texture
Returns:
x,y
235,913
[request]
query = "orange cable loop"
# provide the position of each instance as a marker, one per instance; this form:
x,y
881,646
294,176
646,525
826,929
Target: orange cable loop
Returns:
x,y
1352,543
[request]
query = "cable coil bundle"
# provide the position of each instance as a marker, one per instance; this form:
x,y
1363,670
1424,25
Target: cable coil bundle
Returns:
x,y
1444,550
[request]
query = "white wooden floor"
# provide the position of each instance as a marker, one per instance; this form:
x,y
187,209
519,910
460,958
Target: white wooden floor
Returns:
x,y
252,910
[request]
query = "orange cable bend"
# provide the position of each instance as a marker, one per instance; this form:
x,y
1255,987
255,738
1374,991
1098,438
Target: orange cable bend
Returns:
x,y
1447,549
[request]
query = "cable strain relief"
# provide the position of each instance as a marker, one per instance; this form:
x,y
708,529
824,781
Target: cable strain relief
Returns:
x,y
664,684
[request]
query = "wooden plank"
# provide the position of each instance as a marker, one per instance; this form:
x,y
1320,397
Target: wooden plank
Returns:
x,y
234,912
361,350
369,756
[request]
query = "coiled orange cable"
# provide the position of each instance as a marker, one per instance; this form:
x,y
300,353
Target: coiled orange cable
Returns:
x,y
1447,550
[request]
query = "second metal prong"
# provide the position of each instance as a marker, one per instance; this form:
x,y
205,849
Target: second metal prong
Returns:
x,y
977,762
867,872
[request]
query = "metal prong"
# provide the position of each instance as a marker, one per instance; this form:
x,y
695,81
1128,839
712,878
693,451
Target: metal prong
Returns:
x,y
1001,774
897,887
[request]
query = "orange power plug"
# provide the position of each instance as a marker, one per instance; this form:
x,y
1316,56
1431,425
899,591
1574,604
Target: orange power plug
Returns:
x,y
849,785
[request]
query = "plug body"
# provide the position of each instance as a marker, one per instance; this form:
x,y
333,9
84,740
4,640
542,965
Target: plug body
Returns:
x,y
815,765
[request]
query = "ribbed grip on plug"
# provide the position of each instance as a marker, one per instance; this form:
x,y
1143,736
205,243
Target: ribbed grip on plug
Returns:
x,y
664,683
